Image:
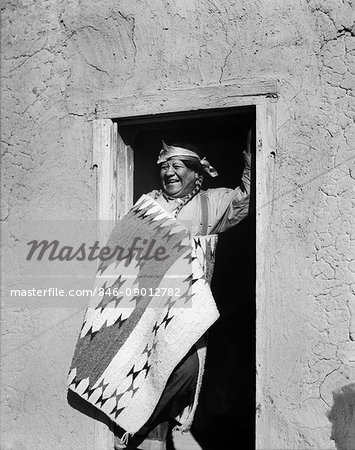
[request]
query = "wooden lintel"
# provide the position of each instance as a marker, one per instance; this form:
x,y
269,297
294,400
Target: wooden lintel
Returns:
x,y
192,99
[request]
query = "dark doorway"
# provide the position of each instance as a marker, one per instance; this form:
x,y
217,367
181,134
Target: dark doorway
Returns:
x,y
226,411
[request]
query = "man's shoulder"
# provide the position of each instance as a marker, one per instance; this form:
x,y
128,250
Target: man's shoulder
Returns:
x,y
217,192
152,193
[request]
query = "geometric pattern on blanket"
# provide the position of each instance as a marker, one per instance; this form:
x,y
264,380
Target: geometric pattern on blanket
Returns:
x,y
147,315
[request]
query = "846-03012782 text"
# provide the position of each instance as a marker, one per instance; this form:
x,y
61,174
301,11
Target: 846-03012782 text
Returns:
x,y
109,291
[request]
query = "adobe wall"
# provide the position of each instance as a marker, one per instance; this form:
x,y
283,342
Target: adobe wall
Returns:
x,y
59,58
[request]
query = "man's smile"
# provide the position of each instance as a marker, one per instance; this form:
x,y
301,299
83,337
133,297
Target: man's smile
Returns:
x,y
171,181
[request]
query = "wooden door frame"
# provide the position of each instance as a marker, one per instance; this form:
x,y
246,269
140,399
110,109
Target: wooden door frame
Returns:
x,y
114,162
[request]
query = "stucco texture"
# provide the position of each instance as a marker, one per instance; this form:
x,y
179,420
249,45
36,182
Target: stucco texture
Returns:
x,y
58,59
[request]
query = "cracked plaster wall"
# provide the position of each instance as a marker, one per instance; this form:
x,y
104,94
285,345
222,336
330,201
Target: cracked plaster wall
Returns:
x,y
59,58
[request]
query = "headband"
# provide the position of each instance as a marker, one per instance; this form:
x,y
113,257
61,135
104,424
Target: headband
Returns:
x,y
168,151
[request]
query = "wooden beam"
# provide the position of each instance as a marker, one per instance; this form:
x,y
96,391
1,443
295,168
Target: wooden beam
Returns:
x,y
103,155
265,161
104,159
192,99
124,178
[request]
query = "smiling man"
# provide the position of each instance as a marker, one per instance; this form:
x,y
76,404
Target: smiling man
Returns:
x,y
205,214
177,178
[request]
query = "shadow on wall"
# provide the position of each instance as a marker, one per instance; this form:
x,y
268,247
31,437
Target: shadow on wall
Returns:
x,y
342,417
81,405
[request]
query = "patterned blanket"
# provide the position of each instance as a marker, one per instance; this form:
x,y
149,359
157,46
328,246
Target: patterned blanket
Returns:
x,y
151,304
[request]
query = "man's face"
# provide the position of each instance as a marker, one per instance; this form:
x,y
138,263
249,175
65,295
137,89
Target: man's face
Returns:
x,y
176,178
